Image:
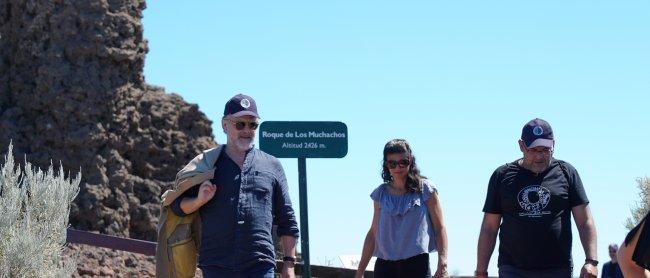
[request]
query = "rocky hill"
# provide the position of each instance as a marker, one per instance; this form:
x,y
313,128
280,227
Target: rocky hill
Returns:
x,y
72,91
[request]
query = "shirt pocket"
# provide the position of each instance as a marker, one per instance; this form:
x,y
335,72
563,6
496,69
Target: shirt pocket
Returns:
x,y
261,189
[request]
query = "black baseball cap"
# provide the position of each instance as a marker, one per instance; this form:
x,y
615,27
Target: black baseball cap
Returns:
x,y
240,105
536,133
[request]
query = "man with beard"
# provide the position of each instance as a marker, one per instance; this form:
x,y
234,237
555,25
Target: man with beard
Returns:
x,y
238,206
529,204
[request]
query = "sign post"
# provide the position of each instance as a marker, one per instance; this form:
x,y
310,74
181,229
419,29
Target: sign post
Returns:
x,y
304,224
304,140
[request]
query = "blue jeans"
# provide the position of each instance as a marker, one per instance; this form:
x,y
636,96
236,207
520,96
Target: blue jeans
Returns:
x,y
265,271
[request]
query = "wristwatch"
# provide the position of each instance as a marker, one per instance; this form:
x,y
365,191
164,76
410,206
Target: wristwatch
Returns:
x,y
591,262
289,259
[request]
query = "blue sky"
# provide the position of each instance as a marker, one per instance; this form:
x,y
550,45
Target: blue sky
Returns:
x,y
457,79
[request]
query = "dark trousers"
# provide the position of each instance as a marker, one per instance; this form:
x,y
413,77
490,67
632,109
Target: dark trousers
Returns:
x,y
263,271
507,271
416,266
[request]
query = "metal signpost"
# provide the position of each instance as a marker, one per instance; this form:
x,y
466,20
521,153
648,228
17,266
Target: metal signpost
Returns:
x,y
304,140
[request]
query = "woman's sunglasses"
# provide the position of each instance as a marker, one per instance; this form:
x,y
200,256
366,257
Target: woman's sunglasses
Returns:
x,y
392,164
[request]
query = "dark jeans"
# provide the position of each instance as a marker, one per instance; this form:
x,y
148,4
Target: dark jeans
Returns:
x,y
264,271
416,266
507,271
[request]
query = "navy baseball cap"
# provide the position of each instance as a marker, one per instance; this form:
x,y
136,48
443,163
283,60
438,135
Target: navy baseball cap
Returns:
x,y
536,133
240,105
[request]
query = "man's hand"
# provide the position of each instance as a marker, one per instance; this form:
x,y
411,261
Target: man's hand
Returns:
x,y
589,271
206,192
287,270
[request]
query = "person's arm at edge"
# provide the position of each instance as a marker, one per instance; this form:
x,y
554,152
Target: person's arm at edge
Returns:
x,y
587,230
283,214
486,241
288,249
437,219
624,255
369,242
284,218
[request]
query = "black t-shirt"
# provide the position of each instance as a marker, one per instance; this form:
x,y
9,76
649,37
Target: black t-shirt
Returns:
x,y
535,231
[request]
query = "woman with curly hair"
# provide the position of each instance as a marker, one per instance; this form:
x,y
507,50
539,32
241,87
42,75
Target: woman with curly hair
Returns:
x,y
407,223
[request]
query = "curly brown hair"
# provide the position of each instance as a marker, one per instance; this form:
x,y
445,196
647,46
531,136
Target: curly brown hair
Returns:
x,y
413,178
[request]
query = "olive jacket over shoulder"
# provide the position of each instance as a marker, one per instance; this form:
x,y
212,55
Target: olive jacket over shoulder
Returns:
x,y
179,236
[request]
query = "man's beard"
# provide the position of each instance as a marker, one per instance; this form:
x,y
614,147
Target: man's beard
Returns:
x,y
244,144
540,167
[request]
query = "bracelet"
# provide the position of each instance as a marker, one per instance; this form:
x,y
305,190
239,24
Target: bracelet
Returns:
x,y
591,262
289,259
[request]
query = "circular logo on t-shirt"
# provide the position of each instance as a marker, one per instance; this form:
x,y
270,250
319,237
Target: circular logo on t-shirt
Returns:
x,y
538,130
245,103
534,198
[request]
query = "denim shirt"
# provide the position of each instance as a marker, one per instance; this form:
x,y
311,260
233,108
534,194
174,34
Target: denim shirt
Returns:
x,y
236,224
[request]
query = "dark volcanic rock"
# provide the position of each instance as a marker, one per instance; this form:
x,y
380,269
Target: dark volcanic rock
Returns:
x,y
97,261
72,91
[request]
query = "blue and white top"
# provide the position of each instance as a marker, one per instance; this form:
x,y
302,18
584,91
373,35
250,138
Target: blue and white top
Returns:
x,y
404,226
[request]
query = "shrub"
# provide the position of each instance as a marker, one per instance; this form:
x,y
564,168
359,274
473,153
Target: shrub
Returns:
x,y
34,211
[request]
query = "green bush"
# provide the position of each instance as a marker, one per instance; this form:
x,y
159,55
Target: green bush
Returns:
x,y
34,210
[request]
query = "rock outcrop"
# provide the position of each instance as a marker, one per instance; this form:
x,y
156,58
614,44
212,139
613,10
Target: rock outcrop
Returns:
x,y
72,91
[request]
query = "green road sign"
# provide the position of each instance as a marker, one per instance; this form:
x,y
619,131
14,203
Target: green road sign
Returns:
x,y
304,139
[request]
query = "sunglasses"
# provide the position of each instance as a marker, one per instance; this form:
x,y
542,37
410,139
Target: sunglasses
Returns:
x,y
392,164
240,125
544,151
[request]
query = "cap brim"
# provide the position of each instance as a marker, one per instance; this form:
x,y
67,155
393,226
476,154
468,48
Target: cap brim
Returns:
x,y
542,143
245,113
